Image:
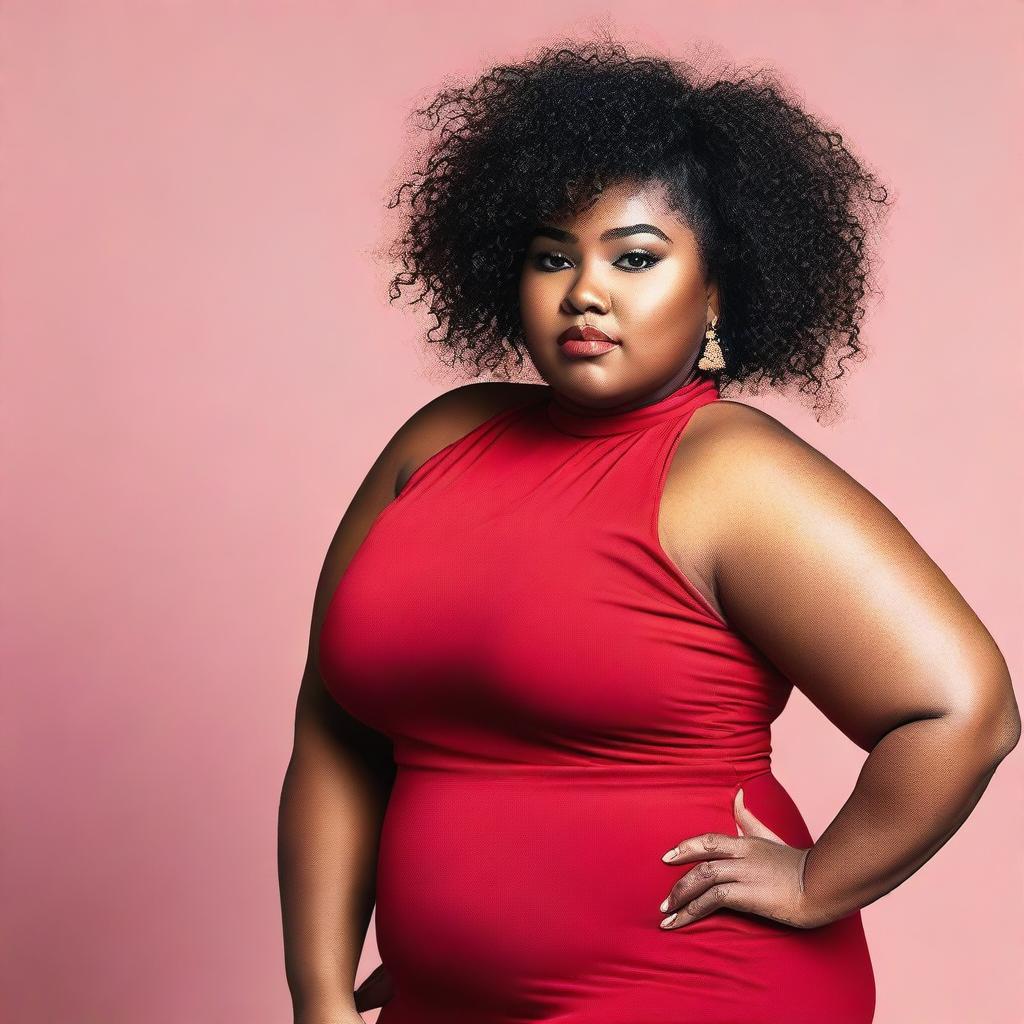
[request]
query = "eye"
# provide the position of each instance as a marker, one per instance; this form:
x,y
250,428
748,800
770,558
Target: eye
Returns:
x,y
648,260
640,254
538,260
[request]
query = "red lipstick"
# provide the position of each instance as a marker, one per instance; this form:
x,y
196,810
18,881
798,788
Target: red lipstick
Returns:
x,y
583,342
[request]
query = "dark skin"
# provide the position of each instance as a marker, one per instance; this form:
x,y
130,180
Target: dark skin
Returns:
x,y
758,520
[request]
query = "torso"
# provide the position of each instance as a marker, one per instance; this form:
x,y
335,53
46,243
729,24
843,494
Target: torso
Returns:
x,y
688,515
514,625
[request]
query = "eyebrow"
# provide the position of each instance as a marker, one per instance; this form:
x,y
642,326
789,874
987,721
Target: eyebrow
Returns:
x,y
549,231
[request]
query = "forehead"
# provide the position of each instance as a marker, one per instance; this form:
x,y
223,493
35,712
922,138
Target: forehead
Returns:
x,y
622,203
623,199
617,207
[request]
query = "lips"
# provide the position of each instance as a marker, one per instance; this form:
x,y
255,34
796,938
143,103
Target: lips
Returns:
x,y
576,333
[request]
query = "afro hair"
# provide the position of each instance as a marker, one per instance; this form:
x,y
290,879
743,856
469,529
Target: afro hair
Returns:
x,y
780,207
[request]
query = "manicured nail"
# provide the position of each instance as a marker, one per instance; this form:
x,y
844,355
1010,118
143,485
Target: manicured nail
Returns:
x,y
671,855
668,920
664,906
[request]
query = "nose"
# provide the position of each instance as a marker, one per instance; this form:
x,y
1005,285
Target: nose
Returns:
x,y
586,295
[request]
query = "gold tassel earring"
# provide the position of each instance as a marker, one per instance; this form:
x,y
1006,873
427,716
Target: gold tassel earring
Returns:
x,y
712,359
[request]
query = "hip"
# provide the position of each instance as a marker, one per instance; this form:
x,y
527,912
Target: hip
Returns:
x,y
532,893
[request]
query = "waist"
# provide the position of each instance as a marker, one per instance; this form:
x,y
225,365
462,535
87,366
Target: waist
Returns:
x,y
616,773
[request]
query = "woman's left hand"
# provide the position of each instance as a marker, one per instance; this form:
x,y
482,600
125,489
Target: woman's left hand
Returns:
x,y
756,872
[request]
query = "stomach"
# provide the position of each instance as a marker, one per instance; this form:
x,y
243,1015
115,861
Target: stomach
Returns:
x,y
532,893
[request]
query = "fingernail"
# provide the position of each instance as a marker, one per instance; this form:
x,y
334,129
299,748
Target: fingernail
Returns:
x,y
664,906
668,920
671,855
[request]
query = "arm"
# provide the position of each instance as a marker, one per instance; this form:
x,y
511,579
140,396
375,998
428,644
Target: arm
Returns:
x,y
827,583
333,800
339,779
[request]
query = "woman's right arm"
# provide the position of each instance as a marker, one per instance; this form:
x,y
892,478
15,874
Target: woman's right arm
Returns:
x,y
333,799
339,779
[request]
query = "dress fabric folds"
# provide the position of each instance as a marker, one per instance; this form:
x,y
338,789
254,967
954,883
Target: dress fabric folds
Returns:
x,y
565,706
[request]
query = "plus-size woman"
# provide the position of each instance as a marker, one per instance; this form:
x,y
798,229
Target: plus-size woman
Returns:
x,y
557,620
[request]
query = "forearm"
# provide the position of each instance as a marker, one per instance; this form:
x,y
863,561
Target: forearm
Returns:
x,y
332,807
917,787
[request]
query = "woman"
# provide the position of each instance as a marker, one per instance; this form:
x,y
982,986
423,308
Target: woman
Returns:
x,y
557,620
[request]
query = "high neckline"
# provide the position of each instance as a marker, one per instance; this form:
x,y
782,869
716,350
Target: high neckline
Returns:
x,y
598,423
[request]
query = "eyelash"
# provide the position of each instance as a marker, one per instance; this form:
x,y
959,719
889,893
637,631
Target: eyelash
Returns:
x,y
630,270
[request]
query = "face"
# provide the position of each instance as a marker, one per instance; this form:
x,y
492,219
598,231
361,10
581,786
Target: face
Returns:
x,y
631,268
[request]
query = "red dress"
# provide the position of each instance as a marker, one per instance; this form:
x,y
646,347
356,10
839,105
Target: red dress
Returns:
x,y
565,706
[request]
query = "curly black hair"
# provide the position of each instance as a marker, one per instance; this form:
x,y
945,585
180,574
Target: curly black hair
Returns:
x,y
778,204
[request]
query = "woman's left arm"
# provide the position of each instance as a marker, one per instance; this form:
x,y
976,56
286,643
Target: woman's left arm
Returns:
x,y
826,582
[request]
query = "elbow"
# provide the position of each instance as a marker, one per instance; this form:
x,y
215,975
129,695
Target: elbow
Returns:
x,y
989,713
1002,724
1012,733
992,733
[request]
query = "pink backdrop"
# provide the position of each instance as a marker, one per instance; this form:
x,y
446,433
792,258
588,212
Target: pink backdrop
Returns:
x,y
199,365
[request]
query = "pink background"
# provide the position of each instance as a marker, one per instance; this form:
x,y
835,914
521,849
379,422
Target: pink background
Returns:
x,y
199,365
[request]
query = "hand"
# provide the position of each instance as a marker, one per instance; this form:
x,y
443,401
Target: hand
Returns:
x,y
755,872
340,1016
377,988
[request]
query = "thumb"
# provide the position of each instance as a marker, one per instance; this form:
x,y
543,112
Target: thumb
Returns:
x,y
749,824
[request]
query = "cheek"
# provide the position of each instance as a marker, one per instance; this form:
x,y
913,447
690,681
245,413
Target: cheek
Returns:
x,y
664,305
539,300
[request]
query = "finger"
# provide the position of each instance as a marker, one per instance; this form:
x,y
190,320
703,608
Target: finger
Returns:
x,y
372,978
708,846
727,894
372,997
375,990
364,1000
749,823
701,877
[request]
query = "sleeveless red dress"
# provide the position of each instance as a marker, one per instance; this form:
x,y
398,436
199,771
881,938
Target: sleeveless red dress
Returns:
x,y
564,707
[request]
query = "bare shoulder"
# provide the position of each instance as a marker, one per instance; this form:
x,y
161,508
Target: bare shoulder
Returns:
x,y
452,415
726,417
439,422
827,583
731,441
730,461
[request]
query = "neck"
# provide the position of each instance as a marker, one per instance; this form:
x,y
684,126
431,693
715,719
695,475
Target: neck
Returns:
x,y
686,376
